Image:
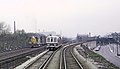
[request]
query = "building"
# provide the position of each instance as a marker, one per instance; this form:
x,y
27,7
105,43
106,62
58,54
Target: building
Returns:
x,y
84,38
115,36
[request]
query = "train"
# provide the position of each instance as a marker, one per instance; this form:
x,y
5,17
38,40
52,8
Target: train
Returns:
x,y
37,40
52,42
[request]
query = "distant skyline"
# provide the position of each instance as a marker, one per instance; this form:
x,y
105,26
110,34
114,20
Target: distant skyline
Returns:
x,y
70,17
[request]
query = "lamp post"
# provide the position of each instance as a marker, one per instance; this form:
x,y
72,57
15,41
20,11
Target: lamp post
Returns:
x,y
118,47
86,54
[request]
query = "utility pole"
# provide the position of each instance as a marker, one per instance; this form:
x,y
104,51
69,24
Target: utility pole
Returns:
x,y
117,48
14,27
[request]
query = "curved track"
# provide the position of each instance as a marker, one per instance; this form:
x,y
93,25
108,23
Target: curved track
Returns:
x,y
43,61
68,59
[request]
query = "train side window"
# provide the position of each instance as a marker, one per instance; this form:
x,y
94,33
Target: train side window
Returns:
x,y
36,39
55,40
48,39
41,39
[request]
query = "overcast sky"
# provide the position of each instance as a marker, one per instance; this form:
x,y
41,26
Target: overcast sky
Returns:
x,y
67,16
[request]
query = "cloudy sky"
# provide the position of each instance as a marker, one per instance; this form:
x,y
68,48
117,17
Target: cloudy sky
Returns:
x,y
67,16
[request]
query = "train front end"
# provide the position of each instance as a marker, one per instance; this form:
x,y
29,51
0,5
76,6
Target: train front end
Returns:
x,y
52,42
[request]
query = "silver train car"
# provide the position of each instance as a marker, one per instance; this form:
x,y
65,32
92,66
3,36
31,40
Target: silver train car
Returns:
x,y
53,42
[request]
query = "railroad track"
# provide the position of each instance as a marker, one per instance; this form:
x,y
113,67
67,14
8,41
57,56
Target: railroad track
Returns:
x,y
68,59
9,60
43,61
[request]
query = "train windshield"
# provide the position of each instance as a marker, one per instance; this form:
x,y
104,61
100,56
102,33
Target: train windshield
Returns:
x,y
51,39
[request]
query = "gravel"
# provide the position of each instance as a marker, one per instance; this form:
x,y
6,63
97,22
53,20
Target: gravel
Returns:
x,y
54,63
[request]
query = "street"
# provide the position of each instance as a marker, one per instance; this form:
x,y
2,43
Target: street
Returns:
x,y
110,53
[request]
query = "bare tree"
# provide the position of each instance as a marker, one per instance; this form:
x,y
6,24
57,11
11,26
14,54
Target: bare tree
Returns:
x,y
8,29
4,29
20,31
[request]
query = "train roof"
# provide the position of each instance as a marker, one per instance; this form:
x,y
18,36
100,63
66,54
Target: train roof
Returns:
x,y
37,34
53,36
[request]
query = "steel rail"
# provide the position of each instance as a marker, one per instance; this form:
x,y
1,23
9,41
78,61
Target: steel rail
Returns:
x,y
76,59
61,53
47,61
32,62
63,58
